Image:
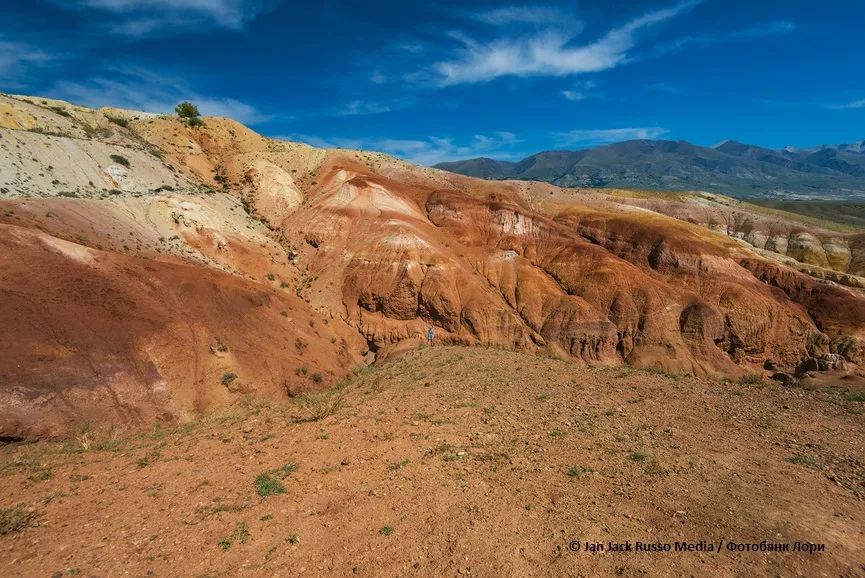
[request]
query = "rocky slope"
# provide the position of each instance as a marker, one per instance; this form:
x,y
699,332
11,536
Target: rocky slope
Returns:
x,y
276,267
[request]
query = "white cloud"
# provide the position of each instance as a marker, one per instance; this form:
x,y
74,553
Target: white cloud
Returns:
x,y
426,152
855,104
143,17
140,89
582,91
612,135
378,78
547,51
573,95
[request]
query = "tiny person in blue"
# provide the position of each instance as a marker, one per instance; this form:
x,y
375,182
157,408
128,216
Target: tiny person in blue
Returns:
x,y
430,335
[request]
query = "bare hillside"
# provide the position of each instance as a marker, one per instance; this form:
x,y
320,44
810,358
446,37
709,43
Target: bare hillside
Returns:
x,y
458,461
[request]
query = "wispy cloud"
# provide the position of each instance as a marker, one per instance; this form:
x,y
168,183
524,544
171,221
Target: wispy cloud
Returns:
x,y
773,28
666,87
546,51
817,103
606,136
527,15
855,104
426,152
141,89
364,107
144,17
582,91
573,95
18,58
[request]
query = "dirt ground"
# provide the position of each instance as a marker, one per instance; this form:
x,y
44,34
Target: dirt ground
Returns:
x,y
454,461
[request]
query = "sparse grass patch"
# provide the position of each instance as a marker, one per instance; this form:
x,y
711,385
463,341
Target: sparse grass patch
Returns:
x,y
638,457
148,459
805,461
751,379
577,471
270,482
221,345
97,131
14,520
397,465
228,378
241,533
856,396
386,531
319,405
558,434
42,475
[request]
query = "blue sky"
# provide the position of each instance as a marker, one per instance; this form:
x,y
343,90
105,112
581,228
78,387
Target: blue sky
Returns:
x,y
435,81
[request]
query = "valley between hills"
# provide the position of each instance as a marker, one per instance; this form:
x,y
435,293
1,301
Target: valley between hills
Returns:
x,y
214,359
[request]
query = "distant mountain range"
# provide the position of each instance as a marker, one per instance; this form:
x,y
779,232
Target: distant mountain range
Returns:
x,y
834,172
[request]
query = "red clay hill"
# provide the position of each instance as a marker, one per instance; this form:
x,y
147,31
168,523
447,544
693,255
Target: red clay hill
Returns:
x,y
150,270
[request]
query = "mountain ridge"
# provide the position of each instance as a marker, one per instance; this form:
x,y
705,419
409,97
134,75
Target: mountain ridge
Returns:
x,y
833,172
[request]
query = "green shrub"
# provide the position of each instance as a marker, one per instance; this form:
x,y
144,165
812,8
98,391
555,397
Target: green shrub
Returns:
x,y
228,378
187,110
120,160
117,120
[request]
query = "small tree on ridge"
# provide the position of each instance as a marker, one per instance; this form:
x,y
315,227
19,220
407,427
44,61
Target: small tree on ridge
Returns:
x,y
189,112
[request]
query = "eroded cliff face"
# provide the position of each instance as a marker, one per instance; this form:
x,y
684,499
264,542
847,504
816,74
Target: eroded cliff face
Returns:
x,y
812,245
272,261
598,285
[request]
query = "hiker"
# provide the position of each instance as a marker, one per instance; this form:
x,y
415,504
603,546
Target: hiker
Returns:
x,y
430,335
